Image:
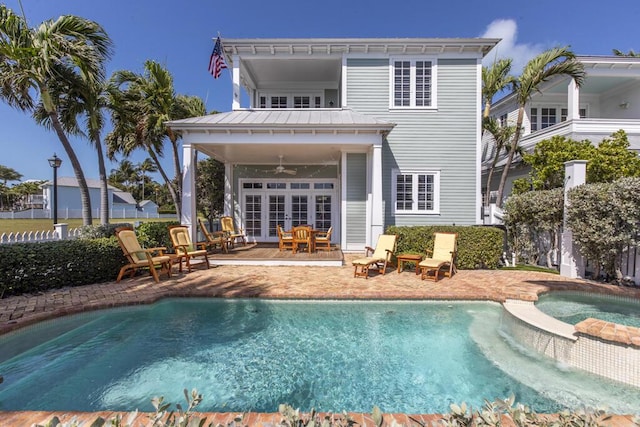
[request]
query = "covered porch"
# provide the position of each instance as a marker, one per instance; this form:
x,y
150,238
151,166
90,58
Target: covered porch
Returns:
x,y
288,167
268,254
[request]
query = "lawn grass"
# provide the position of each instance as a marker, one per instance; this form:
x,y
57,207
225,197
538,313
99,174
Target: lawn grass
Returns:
x,y
528,267
22,225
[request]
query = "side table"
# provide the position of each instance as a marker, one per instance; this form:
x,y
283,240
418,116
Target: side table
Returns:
x,y
414,258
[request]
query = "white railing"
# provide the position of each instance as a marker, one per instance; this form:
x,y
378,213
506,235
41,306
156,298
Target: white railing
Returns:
x,y
66,213
61,232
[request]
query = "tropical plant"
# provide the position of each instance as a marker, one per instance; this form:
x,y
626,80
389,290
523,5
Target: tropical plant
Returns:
x,y
554,62
210,188
124,176
605,220
9,174
631,53
613,160
495,79
533,220
67,50
549,156
141,106
502,135
143,168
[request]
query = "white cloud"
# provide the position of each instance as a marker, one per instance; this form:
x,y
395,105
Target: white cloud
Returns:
x,y
508,47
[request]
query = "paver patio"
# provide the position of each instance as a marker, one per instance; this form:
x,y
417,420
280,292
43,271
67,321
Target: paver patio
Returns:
x,y
234,281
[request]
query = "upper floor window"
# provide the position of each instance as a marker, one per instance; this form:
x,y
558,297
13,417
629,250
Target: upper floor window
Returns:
x,y
289,101
412,83
416,192
543,117
503,120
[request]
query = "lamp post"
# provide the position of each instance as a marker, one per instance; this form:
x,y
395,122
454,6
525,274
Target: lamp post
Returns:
x,y
55,163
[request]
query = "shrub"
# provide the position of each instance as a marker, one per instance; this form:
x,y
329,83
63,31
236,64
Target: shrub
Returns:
x,y
478,247
155,234
37,267
102,230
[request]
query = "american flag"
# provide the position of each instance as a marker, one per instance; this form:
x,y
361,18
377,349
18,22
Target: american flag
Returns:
x,y
216,62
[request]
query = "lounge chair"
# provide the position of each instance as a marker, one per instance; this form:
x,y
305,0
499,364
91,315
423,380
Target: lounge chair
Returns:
x,y
380,256
322,240
285,239
185,250
302,236
443,255
213,238
139,257
229,229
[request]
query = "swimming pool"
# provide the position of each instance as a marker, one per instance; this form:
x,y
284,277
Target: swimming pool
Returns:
x,y
574,307
242,355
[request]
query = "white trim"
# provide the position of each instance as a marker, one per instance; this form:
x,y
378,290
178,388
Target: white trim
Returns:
x,y
479,202
343,199
412,82
415,173
343,101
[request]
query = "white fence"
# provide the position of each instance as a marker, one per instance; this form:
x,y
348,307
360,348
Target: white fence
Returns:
x,y
61,232
116,213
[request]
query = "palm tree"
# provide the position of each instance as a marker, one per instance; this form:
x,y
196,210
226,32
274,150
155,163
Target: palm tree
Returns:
x,y
124,176
146,166
65,51
83,100
554,62
495,79
631,53
501,135
141,104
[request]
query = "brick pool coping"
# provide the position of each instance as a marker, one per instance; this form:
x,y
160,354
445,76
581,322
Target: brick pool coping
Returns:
x,y
297,283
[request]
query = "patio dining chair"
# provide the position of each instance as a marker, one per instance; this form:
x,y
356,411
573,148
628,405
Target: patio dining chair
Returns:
x,y
302,236
185,250
285,239
322,240
139,257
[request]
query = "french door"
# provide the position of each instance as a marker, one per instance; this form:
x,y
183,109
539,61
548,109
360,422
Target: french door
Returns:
x,y
287,204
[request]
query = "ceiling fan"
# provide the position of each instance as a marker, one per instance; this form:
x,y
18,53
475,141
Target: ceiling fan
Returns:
x,y
281,169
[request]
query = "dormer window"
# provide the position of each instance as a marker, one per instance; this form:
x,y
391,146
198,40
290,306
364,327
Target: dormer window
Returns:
x,y
413,83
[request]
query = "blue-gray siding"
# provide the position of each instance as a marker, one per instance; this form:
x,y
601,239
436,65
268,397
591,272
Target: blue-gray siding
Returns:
x,y
440,140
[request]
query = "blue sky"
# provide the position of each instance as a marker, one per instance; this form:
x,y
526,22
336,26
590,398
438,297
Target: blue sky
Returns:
x,y
179,34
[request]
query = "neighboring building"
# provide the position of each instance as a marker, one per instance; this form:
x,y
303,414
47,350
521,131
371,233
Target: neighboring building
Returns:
x,y
121,203
357,134
609,100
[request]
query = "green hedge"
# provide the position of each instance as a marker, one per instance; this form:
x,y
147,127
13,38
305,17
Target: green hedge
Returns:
x,y
478,247
37,267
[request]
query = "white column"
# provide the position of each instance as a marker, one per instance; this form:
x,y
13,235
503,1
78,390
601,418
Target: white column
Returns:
x,y
228,189
189,189
571,262
573,101
377,213
236,83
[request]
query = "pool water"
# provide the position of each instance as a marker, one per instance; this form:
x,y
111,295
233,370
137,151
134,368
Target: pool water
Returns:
x,y
251,355
574,307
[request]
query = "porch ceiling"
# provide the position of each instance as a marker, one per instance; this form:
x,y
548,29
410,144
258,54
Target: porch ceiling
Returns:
x,y
261,154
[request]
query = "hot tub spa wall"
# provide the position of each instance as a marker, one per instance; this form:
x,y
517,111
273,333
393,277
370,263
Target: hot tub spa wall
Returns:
x,y
618,361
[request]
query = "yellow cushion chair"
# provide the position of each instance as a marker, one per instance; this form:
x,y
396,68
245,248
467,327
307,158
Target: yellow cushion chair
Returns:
x,y
213,238
445,246
226,222
185,250
139,257
302,236
380,256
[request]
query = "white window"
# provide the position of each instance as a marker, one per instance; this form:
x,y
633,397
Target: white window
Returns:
x,y
413,83
416,192
289,100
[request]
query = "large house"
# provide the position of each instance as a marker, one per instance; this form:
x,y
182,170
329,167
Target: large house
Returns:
x,y
354,134
608,100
